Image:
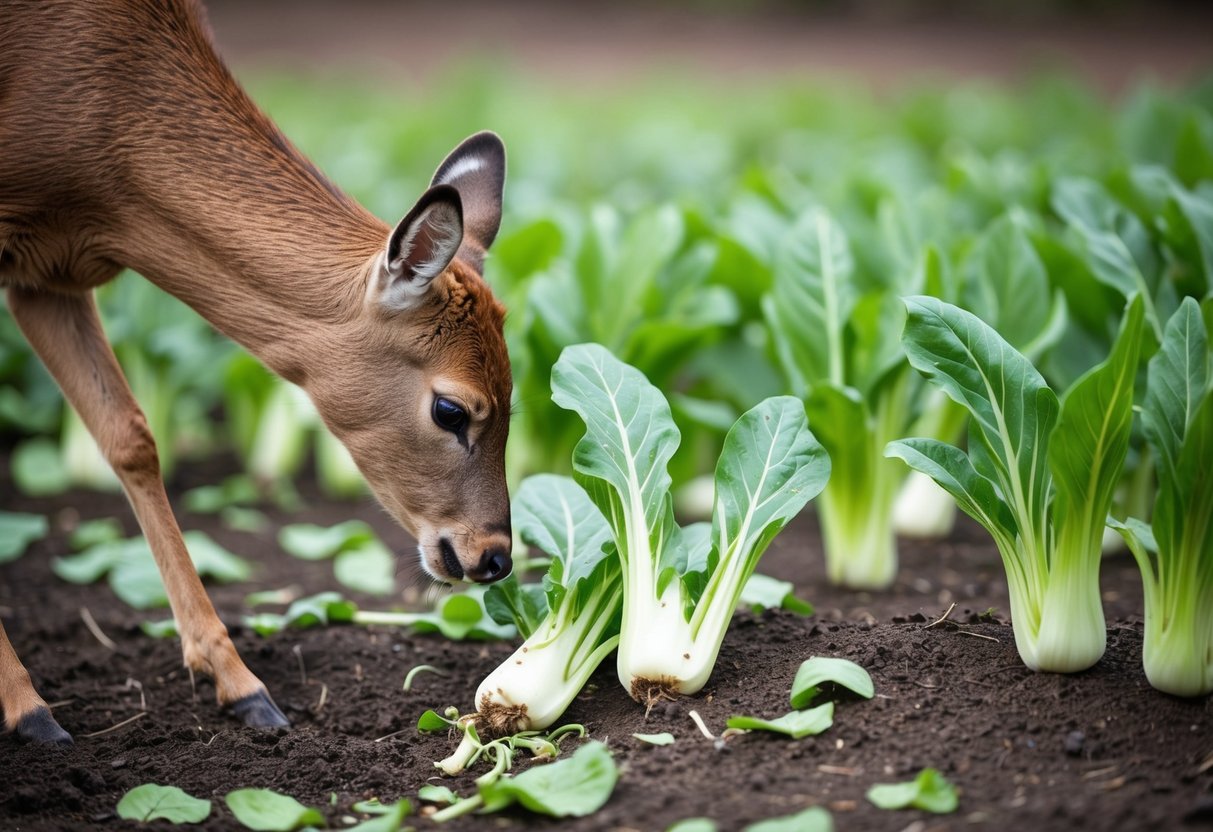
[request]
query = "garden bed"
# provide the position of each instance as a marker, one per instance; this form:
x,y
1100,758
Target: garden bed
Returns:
x,y
1095,750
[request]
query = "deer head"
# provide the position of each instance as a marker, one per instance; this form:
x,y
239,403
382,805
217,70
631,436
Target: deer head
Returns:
x,y
421,397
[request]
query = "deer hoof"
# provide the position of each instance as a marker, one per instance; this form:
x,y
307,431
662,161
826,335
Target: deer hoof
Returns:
x,y
257,710
38,726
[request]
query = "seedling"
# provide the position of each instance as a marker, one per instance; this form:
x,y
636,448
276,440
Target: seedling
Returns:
x,y
928,791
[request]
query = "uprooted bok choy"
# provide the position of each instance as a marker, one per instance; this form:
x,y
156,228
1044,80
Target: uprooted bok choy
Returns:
x,y
1175,552
680,586
570,624
1039,474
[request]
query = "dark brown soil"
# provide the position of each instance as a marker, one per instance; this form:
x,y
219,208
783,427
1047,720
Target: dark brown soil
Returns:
x,y
1098,750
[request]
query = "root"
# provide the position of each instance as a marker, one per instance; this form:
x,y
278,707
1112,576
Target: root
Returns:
x,y
496,720
649,692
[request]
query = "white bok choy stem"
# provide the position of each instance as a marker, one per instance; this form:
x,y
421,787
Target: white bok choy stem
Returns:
x,y
1039,475
680,586
1175,552
571,622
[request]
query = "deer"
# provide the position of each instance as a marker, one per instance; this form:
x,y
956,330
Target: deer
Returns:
x,y
126,143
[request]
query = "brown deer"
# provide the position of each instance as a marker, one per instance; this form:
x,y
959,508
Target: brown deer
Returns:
x,y
126,143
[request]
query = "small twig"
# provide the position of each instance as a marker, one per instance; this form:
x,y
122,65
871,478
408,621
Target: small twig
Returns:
x,y
393,734
324,695
703,729
91,624
843,771
977,635
193,686
61,703
942,618
1207,765
124,722
298,651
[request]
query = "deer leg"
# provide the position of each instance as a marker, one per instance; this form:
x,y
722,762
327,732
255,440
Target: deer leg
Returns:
x,y
25,712
66,333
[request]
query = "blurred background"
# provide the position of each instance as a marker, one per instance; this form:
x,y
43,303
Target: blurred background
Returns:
x,y
661,155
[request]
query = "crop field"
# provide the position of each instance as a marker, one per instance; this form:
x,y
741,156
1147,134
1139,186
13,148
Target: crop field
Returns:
x,y
859,464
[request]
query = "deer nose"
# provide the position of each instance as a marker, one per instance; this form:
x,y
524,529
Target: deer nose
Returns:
x,y
494,565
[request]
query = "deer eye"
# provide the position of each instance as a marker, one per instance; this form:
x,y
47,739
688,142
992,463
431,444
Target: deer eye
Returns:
x,y
449,416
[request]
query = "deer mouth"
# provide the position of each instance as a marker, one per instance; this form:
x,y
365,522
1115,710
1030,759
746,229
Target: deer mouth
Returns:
x,y
450,561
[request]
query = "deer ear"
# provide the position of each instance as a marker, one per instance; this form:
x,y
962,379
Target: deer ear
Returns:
x,y
476,168
421,247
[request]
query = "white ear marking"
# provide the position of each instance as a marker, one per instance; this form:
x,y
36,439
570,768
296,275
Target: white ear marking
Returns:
x,y
462,167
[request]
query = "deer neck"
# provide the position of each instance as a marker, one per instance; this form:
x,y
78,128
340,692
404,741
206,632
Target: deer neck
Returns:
x,y
217,208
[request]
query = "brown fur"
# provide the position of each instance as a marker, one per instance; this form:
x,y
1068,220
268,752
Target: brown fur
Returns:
x,y
125,143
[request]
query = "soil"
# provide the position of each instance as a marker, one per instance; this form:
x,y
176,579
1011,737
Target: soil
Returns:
x,y
1098,750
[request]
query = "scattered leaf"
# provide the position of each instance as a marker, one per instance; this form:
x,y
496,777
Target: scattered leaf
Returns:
x,y
430,722
762,592
928,791
813,672
17,531
664,738
267,811
694,825
369,568
389,818
160,629
312,542
573,787
91,532
38,470
437,794
154,802
813,819
796,724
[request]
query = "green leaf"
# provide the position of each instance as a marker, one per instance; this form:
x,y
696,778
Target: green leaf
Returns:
x,y
91,532
511,603
769,469
556,516
17,531
160,629
369,568
436,794
928,791
390,818
1013,410
1088,447
796,724
268,811
430,722
1177,379
954,473
573,787
813,819
664,738
94,562
213,561
311,542
321,609
811,301
37,468
210,499
762,592
694,825
154,802
629,440
819,669
241,519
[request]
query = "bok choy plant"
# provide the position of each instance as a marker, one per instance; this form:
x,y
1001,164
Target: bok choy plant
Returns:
x,y
1175,553
680,586
1039,474
570,625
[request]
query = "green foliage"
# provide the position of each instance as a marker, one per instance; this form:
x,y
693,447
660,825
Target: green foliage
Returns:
x,y
132,572
17,531
573,787
154,802
813,819
664,738
796,724
1040,474
268,811
361,562
813,672
928,791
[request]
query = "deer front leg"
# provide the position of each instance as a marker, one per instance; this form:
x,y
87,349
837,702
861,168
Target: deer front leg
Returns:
x,y
66,333
25,712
